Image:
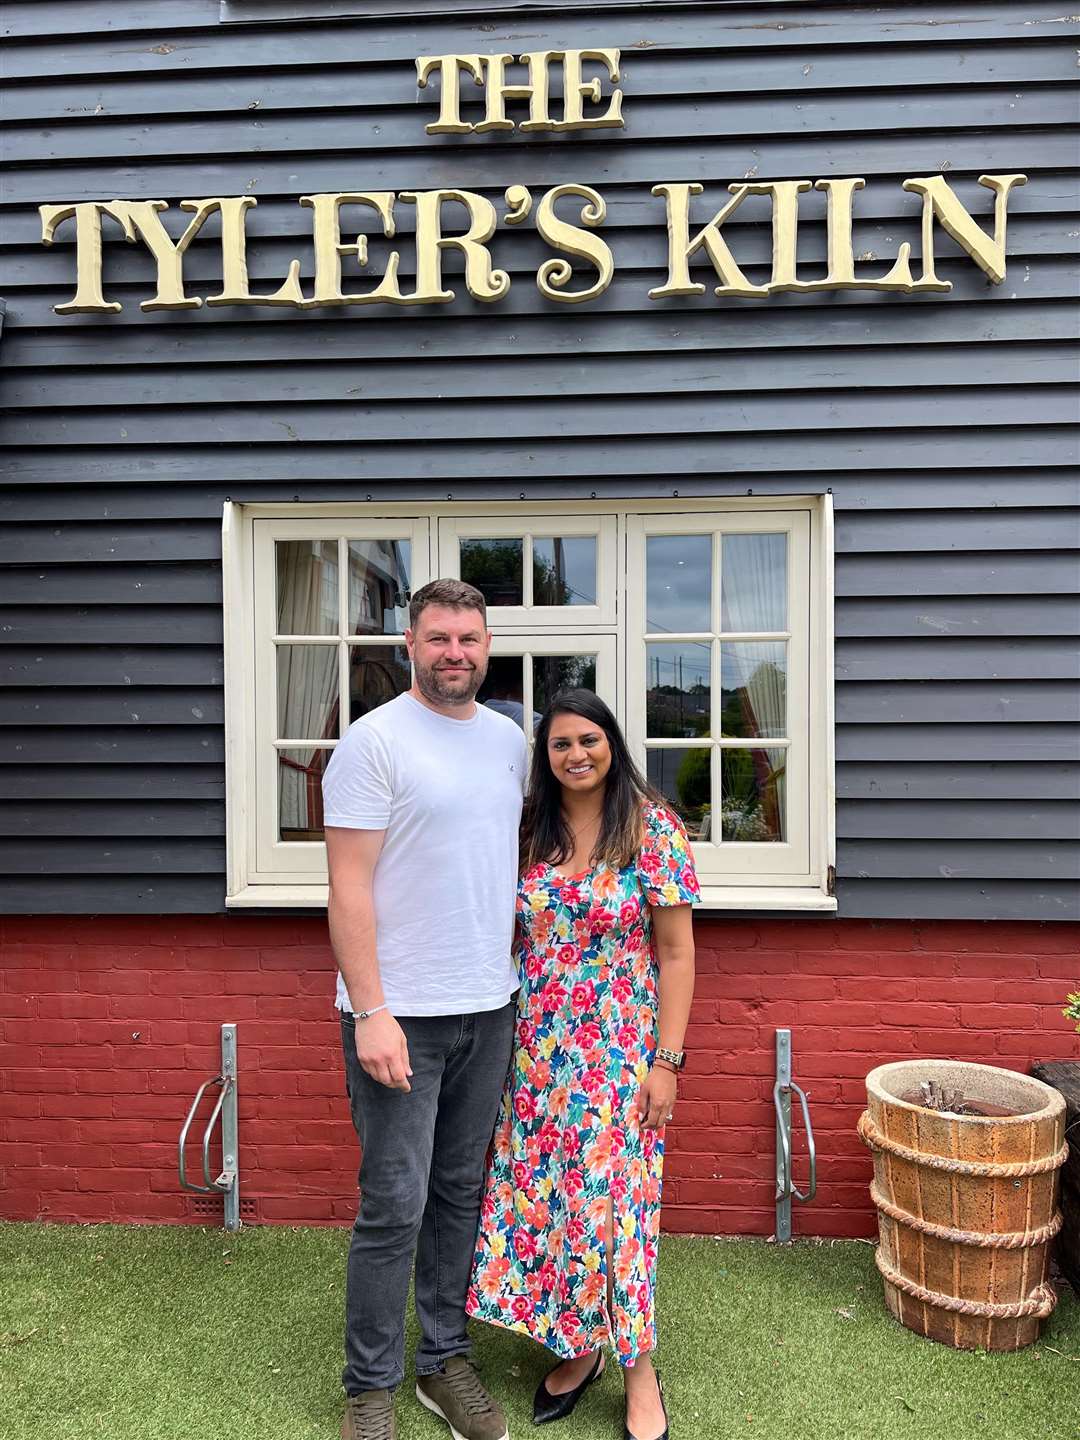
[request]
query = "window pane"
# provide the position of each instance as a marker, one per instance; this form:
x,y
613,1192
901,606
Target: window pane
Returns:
x,y
564,571
753,788
495,567
378,586
683,777
307,678
377,673
677,698
753,681
552,673
307,587
678,576
300,812
753,590
504,688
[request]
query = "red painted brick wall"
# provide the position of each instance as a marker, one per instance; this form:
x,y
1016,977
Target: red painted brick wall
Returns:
x,y
108,1025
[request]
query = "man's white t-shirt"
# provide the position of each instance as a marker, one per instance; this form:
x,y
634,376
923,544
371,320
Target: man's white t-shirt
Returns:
x,y
448,793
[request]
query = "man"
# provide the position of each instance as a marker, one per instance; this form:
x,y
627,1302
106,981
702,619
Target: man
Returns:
x,y
422,800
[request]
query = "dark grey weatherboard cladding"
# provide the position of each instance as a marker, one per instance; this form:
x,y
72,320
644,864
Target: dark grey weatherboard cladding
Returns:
x,y
943,426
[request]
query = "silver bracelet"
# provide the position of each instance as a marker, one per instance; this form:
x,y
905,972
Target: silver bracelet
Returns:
x,y
367,1014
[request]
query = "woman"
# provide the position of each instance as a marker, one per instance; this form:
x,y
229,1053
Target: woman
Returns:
x,y
571,1213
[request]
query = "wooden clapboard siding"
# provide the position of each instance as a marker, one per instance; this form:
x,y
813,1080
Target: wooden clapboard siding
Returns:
x,y
943,426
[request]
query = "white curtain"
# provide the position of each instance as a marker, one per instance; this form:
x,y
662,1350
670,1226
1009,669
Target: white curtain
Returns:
x,y
754,598
308,698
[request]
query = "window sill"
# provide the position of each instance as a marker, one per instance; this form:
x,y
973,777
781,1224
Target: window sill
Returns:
x,y
278,897
764,897
713,897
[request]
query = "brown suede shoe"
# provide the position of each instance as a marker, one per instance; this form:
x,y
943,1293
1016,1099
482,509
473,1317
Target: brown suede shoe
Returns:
x,y
456,1395
369,1416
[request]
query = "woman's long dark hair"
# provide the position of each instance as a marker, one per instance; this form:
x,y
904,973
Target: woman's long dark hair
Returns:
x,y
545,835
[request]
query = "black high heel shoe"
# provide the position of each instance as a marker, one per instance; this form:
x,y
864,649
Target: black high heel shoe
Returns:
x,y
666,1433
548,1407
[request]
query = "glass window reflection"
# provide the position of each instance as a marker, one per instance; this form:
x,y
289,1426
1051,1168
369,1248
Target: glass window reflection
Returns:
x,y
307,679
378,586
564,570
552,673
678,580
503,689
377,673
307,587
678,696
684,778
753,795
496,568
300,808
754,689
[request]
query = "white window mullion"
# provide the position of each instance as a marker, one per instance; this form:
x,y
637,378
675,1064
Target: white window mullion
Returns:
x,y
343,631
716,754
634,719
715,605
527,705
527,570
715,728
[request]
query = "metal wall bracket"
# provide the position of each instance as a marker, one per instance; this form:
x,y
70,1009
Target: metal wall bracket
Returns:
x,y
228,1182
785,1186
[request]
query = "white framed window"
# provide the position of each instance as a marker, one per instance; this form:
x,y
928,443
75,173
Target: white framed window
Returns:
x,y
706,626
718,638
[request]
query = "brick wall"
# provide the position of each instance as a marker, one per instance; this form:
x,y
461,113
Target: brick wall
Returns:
x,y
108,1025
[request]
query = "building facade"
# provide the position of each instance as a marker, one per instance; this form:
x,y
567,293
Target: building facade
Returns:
x,y
815,537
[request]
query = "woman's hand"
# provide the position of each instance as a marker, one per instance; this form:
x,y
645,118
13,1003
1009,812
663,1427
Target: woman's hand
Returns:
x,y
656,1099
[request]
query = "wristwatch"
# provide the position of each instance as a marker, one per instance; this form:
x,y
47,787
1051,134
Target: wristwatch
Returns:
x,y
677,1058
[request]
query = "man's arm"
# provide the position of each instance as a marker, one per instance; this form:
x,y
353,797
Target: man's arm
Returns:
x,y
380,1041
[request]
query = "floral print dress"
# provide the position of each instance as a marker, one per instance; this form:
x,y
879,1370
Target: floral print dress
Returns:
x,y
568,1138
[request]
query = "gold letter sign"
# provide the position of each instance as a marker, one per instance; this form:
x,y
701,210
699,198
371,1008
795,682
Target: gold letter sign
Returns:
x,y
490,72
584,105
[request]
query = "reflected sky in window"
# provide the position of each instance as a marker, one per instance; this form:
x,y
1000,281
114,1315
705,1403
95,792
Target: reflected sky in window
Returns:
x,y
678,577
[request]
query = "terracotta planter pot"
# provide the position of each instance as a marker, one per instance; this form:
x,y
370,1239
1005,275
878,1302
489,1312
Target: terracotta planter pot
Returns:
x,y
967,1205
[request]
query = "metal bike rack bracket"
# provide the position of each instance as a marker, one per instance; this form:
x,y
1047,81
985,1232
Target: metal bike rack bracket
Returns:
x,y
227,1183
785,1187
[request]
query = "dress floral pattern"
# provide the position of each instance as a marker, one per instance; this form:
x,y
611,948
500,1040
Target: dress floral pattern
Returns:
x,y
568,1137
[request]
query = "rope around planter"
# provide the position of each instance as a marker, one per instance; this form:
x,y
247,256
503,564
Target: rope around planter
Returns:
x,y
1010,1240
870,1135
1039,1303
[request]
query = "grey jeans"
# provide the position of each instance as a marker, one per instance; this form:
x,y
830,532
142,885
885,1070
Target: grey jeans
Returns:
x,y
421,1180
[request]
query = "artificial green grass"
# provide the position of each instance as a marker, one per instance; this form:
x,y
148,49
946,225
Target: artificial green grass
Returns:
x,y
168,1333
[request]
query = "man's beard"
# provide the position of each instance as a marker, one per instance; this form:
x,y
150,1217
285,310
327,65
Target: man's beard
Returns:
x,y
442,689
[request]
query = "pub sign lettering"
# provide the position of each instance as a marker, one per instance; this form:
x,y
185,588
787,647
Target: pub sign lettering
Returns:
x,y
569,218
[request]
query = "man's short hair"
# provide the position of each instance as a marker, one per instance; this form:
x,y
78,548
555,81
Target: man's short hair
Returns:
x,y
454,594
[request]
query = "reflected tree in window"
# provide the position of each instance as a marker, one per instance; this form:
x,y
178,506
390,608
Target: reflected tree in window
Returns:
x,y
560,570
752,788
495,568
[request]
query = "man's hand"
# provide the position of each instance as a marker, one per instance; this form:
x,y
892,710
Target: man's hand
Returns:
x,y
383,1051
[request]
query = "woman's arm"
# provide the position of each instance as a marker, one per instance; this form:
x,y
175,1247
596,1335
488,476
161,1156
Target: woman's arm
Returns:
x,y
673,931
